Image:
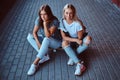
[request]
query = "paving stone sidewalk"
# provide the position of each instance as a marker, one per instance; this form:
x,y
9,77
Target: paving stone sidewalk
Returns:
x,y
102,58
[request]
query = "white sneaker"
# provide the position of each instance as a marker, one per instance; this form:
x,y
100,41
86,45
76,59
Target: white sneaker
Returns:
x,y
32,69
70,62
80,68
44,59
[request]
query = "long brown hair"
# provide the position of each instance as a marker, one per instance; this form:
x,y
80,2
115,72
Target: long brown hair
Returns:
x,y
75,17
48,11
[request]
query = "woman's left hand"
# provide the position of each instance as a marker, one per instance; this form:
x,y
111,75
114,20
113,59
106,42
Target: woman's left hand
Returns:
x,y
79,41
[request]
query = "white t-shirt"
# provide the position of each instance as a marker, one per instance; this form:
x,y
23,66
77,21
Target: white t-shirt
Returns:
x,y
72,28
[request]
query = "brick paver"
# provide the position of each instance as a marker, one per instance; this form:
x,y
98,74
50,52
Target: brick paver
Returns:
x,y
102,58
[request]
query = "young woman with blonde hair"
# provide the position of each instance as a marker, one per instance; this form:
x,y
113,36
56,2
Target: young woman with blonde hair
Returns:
x,y
75,39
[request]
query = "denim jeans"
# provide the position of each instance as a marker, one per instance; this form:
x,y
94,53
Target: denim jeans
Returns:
x,y
32,41
46,43
71,53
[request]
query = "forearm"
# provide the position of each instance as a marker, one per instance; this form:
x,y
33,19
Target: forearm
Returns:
x,y
35,36
36,39
78,41
47,32
80,34
70,39
80,37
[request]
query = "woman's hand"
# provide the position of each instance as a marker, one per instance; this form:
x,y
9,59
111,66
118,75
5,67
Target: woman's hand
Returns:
x,y
48,31
38,44
79,41
45,23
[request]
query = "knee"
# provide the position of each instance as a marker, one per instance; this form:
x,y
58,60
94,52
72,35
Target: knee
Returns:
x,y
88,40
29,37
65,43
46,39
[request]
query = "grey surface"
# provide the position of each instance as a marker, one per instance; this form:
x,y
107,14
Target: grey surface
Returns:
x,y
102,58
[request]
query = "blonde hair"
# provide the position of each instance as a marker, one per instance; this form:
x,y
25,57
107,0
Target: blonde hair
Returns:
x,y
70,6
75,17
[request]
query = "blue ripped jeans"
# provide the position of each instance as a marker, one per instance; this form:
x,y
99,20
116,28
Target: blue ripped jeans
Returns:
x,y
71,53
46,43
32,41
